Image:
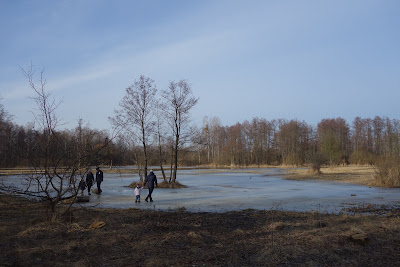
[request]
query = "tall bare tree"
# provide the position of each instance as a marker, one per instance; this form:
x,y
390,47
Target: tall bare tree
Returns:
x,y
178,101
334,140
136,113
6,137
210,132
53,153
160,135
51,181
294,139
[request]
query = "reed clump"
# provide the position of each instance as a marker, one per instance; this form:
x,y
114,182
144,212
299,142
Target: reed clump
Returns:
x,y
387,173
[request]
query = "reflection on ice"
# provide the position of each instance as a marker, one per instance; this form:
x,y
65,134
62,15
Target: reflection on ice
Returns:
x,y
229,190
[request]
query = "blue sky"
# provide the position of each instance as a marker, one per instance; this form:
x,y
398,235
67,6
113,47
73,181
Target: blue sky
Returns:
x,y
305,60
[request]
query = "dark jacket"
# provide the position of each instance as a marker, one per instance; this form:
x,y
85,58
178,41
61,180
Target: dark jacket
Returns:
x,y
99,176
150,180
89,178
82,185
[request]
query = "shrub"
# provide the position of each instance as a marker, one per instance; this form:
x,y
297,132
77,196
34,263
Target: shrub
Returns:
x,y
387,171
361,157
293,159
317,160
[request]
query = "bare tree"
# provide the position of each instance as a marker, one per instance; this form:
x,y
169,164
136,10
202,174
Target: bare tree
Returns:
x,y
333,137
160,137
54,156
294,139
6,137
210,131
178,101
137,111
48,182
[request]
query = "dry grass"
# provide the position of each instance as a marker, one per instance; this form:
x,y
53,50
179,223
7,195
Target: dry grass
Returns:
x,y
363,175
258,170
146,238
388,172
17,171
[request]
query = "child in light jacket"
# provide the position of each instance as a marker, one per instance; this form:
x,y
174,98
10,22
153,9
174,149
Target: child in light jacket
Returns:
x,y
137,191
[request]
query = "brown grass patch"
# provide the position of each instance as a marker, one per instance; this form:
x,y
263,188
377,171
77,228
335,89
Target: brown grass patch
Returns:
x,y
363,175
147,238
276,226
175,185
387,172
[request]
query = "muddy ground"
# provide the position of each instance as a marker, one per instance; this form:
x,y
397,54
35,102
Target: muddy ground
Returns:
x,y
153,238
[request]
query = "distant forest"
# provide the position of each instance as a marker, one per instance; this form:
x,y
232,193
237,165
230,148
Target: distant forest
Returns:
x,y
332,141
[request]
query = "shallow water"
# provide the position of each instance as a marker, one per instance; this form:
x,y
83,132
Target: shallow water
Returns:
x,y
232,190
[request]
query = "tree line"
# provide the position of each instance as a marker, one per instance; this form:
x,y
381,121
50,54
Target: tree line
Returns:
x,y
293,142
154,129
255,142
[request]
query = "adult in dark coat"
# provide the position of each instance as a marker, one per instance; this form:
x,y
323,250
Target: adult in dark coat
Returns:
x,y
89,180
151,179
99,179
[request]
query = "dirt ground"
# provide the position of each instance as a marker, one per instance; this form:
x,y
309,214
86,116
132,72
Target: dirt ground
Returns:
x,y
153,238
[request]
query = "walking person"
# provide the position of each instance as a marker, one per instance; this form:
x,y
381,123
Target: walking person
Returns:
x,y
89,180
82,186
137,191
99,179
151,179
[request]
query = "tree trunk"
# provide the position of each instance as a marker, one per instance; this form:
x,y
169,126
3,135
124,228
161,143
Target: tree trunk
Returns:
x,y
144,151
175,157
172,163
161,157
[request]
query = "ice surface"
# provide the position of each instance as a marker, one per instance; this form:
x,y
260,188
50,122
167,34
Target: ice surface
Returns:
x,y
233,190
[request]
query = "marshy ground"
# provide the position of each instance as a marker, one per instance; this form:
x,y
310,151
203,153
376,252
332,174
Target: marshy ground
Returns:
x,y
134,237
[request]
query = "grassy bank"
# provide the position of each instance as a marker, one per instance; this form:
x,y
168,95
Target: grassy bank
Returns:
x,y
363,175
148,238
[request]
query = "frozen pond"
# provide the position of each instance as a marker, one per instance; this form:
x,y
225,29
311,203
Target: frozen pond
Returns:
x,y
232,190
